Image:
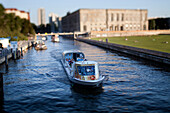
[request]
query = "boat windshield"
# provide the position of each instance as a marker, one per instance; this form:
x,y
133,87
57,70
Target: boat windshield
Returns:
x,y
69,56
86,70
74,56
80,57
40,42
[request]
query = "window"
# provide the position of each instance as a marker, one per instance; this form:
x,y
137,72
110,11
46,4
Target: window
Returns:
x,y
121,28
116,28
86,70
122,17
85,28
112,17
111,28
144,27
117,17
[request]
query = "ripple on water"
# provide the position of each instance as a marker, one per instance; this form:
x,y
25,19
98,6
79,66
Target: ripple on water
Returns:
x,y
38,83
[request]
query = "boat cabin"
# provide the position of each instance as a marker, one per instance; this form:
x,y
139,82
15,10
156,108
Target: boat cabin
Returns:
x,y
73,56
86,70
55,38
40,42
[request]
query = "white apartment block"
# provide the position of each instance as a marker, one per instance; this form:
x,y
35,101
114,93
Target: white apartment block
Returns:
x,y
21,14
41,16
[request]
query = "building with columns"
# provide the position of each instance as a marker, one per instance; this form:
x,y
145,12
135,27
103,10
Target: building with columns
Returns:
x,y
86,20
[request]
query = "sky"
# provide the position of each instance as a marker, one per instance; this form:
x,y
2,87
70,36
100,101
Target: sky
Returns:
x,y
156,8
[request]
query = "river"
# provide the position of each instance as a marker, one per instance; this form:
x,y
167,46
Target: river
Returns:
x,y
37,83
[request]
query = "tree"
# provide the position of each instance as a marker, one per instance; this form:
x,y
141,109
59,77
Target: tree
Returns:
x,y
1,15
12,25
27,27
18,23
48,28
152,24
2,9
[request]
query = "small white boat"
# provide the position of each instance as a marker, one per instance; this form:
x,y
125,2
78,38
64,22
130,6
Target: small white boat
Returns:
x,y
80,71
44,38
40,45
55,38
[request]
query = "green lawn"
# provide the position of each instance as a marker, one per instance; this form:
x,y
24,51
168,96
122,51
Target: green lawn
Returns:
x,y
158,42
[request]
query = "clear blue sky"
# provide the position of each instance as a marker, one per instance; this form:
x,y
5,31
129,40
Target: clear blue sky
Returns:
x,y
156,8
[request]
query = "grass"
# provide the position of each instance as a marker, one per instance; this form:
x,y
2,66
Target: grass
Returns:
x,y
157,43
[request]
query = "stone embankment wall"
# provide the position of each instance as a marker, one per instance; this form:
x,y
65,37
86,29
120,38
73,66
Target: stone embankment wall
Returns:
x,y
127,33
156,56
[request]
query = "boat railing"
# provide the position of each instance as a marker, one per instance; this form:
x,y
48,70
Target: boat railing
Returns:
x,y
69,66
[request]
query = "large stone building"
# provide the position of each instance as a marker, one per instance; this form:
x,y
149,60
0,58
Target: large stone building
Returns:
x,y
86,20
21,14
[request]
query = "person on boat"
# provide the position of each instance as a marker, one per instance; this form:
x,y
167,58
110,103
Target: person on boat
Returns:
x,y
1,46
70,61
80,57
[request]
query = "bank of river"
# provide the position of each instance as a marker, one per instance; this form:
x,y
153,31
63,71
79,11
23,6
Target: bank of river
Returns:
x,y
156,42
156,56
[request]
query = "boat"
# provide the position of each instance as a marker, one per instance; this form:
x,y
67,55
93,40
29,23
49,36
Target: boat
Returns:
x,y
44,38
80,71
55,38
40,45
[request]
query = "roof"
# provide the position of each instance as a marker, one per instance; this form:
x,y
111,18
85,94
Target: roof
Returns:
x,y
14,9
11,9
72,51
4,38
105,9
86,62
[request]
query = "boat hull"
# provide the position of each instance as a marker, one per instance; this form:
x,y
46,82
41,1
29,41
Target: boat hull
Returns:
x,y
56,41
86,84
37,48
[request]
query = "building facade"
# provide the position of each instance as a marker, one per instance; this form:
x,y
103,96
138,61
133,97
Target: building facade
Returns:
x,y
53,22
21,14
41,16
59,21
86,20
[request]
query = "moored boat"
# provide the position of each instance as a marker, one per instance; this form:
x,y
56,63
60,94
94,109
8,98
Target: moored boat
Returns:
x,y
80,71
55,38
40,45
44,38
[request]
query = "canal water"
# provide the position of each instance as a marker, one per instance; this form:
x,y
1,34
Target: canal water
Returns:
x,y
37,83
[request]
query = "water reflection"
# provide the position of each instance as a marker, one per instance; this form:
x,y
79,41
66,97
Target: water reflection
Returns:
x,y
87,100
87,91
